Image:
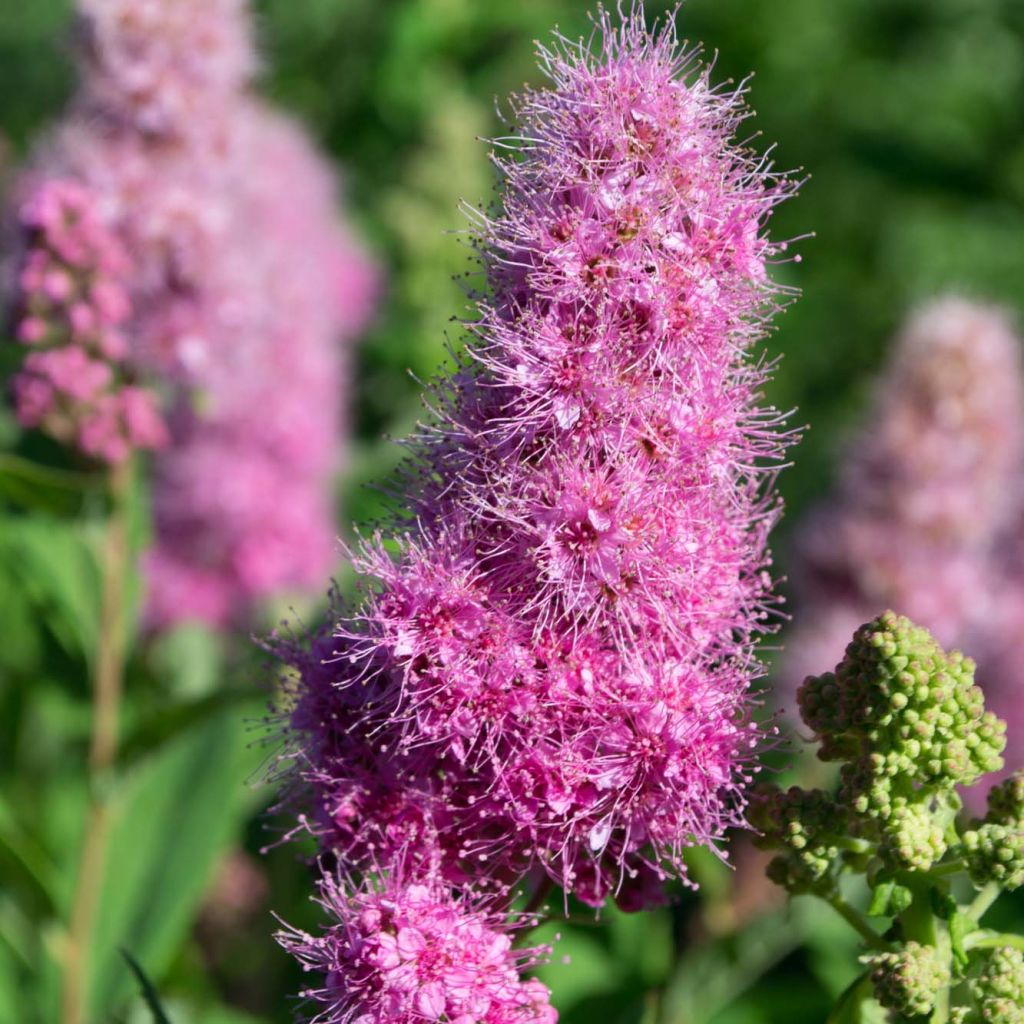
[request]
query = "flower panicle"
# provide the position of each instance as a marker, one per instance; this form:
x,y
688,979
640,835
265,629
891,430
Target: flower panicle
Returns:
x,y
551,663
547,675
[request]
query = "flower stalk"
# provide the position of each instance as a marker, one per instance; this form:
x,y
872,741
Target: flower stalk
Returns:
x,y
108,680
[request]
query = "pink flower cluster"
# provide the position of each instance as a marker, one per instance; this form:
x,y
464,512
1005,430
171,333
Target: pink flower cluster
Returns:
x,y
404,952
550,669
928,505
241,297
72,309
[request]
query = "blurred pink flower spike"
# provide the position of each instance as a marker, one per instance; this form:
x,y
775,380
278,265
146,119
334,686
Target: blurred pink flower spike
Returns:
x,y
182,239
927,511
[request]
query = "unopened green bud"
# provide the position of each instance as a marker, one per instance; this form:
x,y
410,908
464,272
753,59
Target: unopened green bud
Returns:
x,y
820,707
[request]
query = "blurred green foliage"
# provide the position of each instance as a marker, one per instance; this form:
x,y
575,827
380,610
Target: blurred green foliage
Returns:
x,y
908,115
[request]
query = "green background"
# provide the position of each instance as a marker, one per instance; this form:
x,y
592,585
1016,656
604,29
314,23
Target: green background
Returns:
x,y
908,117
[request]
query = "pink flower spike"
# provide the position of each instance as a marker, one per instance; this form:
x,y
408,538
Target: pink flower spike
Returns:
x,y
550,670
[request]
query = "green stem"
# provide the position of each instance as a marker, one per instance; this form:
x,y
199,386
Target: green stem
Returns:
x,y
983,901
987,939
106,705
951,867
941,1013
919,924
858,922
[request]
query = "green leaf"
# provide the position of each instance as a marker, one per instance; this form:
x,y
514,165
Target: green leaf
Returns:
x,y
57,568
189,1011
148,991
25,641
30,860
189,659
183,1010
11,1005
642,943
166,722
889,898
960,924
900,900
591,970
30,485
17,932
173,820
711,976
880,897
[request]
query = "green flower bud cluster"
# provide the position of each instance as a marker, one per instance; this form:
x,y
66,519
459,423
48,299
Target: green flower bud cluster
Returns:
x,y
994,848
995,853
908,980
912,838
901,713
803,823
908,726
1006,801
998,989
